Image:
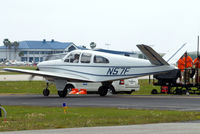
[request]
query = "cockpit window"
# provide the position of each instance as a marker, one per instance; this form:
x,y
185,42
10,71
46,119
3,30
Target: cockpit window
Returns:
x,y
85,57
100,59
73,58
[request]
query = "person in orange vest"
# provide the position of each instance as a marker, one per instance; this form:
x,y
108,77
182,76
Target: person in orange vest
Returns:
x,y
188,60
188,67
181,66
197,68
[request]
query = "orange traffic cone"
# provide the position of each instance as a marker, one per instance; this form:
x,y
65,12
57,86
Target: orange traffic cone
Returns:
x,y
82,91
74,91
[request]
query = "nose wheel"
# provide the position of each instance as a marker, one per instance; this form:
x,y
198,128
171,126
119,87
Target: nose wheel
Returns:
x,y
46,91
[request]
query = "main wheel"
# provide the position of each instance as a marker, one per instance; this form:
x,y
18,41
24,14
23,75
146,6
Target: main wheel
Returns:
x,y
69,87
46,92
63,93
154,91
103,90
111,89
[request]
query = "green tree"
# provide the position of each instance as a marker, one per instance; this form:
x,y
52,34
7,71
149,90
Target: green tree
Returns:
x,y
7,43
21,54
16,46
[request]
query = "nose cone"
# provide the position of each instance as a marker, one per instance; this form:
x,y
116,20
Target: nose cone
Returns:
x,y
40,64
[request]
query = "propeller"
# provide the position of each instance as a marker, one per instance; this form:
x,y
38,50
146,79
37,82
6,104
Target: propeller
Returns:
x,y
32,76
149,79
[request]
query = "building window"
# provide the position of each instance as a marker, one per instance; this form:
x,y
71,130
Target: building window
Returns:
x,y
30,59
36,59
58,51
36,52
41,59
23,58
24,52
31,52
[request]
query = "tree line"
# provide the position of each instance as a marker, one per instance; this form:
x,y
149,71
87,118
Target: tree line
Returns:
x,y
9,46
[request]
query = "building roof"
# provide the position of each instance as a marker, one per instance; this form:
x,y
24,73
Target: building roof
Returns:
x,y
114,52
82,48
42,45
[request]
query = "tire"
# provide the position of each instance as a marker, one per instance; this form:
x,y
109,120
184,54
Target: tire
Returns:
x,y
112,89
63,93
46,92
103,90
154,91
69,87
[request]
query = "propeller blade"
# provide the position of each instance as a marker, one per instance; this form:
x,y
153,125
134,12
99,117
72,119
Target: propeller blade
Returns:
x,y
31,77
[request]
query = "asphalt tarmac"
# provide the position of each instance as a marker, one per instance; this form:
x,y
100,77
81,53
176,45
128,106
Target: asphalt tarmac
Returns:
x,y
162,128
182,103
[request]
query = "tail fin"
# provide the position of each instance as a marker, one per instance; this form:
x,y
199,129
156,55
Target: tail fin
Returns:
x,y
152,55
173,56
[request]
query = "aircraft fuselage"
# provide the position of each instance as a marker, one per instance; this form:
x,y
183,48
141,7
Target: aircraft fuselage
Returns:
x,y
119,67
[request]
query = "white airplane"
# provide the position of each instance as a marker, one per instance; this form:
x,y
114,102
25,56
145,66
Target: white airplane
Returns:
x,y
93,66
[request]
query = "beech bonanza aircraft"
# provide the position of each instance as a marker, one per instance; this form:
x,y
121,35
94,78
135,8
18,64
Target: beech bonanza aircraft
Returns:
x,y
93,66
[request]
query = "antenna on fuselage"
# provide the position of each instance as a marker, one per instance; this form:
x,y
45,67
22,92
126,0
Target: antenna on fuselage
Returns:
x,y
197,60
197,46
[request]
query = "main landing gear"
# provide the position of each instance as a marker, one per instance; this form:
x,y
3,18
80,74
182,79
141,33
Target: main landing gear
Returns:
x,y
63,93
46,91
103,90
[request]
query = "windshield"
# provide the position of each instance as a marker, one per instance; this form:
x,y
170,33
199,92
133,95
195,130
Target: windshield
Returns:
x,y
73,57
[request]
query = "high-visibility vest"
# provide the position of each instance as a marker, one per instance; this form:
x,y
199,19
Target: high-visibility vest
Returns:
x,y
181,64
188,61
197,63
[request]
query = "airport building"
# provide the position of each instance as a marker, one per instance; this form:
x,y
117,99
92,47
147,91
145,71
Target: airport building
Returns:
x,y
35,51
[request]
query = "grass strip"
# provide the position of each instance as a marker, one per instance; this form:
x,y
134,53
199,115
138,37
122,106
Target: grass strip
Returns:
x,y
146,87
36,87
18,67
29,117
25,87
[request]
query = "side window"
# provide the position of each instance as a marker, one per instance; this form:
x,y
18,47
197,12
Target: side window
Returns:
x,y
72,58
100,59
85,57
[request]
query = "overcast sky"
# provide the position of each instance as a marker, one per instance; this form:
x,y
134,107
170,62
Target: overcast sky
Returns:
x,y
164,24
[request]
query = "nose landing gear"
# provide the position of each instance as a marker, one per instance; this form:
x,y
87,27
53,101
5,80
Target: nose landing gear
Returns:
x,y
46,91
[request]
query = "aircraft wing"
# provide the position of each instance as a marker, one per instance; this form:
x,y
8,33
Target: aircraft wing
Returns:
x,y
68,77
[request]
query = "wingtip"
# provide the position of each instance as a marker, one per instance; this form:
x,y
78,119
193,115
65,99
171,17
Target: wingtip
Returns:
x,y
5,69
